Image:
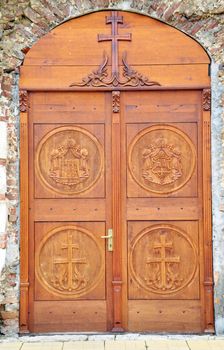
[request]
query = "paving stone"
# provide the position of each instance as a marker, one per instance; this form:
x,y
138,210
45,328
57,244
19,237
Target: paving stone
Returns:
x,y
167,345
84,345
206,345
10,346
125,345
42,346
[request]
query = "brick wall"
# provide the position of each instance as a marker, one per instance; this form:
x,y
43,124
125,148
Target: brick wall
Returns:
x,y
22,23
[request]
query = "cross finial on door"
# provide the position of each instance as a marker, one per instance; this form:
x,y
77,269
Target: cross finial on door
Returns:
x,y
114,37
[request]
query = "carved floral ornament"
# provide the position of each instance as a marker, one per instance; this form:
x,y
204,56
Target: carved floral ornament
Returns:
x,y
23,100
206,99
102,78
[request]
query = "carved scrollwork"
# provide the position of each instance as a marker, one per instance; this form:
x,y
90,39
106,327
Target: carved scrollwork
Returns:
x,y
23,100
101,77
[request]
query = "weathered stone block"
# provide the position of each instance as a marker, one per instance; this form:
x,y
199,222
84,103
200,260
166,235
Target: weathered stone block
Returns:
x,y
3,140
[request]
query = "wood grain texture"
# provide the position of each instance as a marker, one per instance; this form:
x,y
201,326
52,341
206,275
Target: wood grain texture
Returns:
x,y
187,76
66,44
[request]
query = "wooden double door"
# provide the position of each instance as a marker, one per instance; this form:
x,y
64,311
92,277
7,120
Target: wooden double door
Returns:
x,y
116,235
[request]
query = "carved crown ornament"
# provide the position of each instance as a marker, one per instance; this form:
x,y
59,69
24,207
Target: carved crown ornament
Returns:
x,y
101,77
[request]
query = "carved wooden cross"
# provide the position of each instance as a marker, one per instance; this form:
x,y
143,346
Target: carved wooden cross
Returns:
x,y
163,259
70,261
114,37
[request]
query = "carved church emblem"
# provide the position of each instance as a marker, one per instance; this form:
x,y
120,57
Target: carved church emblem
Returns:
x,y
162,163
162,259
161,158
69,160
69,163
69,261
161,272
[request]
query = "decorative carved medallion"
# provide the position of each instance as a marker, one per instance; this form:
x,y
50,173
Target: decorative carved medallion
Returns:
x,y
101,77
206,99
69,261
23,100
116,101
69,160
159,259
161,159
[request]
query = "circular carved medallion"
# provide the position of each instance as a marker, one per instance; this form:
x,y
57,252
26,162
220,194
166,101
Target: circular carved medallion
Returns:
x,y
163,259
161,159
69,261
69,160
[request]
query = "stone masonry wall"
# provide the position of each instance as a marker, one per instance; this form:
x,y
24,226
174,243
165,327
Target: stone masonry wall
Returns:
x,y
22,23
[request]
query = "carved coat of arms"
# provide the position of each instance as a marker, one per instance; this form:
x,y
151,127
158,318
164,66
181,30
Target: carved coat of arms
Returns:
x,y
69,163
161,163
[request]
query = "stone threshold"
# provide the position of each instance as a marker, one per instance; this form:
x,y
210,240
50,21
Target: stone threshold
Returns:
x,y
68,337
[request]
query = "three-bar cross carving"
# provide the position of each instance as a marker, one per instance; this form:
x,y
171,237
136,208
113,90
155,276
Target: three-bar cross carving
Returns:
x,y
114,37
70,261
163,260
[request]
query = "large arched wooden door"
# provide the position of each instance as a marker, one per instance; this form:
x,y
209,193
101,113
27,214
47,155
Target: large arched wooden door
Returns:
x,y
115,179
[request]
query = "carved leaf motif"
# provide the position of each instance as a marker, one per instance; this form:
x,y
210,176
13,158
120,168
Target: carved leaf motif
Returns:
x,y
206,99
133,77
116,101
23,100
101,78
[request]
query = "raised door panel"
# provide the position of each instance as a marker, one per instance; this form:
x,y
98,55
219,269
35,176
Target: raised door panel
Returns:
x,y
163,260
69,160
69,261
162,160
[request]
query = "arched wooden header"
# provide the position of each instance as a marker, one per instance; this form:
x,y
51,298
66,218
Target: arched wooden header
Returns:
x,y
149,51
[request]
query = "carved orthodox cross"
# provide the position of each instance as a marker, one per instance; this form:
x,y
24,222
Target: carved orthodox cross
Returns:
x,y
100,77
114,37
70,261
163,245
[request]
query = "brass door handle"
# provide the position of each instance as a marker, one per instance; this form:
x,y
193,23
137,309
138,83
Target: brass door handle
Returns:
x,y
109,238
